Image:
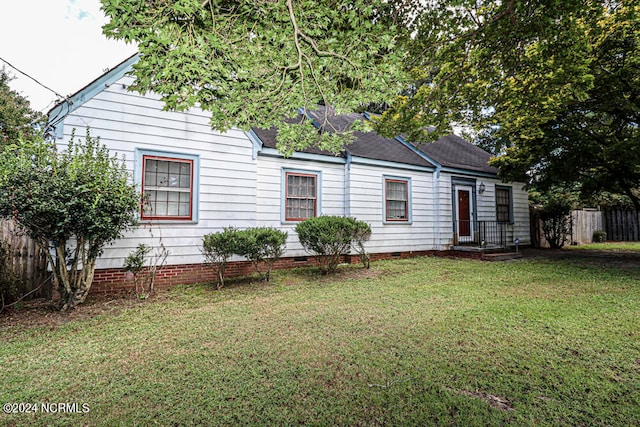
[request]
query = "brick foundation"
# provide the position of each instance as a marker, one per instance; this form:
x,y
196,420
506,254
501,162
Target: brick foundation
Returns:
x,y
116,280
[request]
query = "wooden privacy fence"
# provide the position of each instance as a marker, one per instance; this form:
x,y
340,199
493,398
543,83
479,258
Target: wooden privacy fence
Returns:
x,y
584,223
26,259
622,226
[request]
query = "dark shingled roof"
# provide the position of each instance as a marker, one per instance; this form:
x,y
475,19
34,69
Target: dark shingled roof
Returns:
x,y
449,151
455,152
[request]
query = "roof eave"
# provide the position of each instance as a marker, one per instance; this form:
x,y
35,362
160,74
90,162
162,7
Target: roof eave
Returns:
x,y
65,107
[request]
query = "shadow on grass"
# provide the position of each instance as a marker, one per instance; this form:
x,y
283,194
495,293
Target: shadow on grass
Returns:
x,y
621,264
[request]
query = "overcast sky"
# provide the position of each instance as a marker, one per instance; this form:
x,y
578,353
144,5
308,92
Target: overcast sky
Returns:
x,y
57,42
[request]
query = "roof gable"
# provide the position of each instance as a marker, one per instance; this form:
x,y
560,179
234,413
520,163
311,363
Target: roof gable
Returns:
x,y
68,105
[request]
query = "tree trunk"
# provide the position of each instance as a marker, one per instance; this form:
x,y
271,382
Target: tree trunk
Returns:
x,y
79,289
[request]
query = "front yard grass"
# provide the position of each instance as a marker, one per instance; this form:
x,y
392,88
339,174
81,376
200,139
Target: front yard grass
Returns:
x,y
425,341
608,246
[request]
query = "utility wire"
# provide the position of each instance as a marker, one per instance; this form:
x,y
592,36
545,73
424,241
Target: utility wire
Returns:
x,y
23,73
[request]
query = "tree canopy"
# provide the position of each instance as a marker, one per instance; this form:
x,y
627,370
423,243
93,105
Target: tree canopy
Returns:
x,y
17,119
519,74
256,62
593,141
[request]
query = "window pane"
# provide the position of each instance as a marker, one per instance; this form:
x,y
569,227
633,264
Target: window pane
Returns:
x,y
170,174
151,165
149,198
160,203
397,198
150,178
185,181
163,166
300,196
172,209
184,209
162,179
503,205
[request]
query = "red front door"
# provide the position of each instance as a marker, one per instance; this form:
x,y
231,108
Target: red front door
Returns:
x,y
464,214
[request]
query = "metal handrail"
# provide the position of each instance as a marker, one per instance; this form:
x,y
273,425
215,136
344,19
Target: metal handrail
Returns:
x,y
481,233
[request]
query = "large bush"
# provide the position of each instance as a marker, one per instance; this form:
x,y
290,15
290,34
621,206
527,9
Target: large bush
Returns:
x,y
217,248
262,246
554,214
74,202
330,237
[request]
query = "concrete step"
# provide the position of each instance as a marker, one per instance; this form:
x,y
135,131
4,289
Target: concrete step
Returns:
x,y
503,256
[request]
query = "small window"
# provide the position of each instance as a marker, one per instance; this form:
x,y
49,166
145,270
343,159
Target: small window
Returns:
x,y
396,200
503,204
301,201
167,186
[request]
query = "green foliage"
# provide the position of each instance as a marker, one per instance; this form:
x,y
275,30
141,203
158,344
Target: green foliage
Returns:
x,y
17,119
330,237
262,245
144,268
599,236
218,247
75,201
593,139
9,280
361,234
136,261
254,63
506,65
554,214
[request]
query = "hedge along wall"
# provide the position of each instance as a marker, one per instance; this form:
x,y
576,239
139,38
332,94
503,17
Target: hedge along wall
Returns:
x,y
116,280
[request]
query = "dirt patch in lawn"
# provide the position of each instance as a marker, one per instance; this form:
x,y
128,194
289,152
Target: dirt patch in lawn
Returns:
x,y
45,313
497,402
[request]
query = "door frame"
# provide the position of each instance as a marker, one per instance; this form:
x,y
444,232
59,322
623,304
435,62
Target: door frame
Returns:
x,y
463,184
470,236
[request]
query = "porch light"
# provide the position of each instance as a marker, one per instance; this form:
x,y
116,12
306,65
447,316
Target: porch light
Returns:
x,y
481,188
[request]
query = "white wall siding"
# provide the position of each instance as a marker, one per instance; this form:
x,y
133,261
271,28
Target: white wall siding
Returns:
x,y
367,204
522,228
237,190
444,222
269,193
127,121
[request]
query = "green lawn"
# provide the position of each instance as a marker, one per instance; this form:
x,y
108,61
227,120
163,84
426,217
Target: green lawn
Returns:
x,y
427,341
609,246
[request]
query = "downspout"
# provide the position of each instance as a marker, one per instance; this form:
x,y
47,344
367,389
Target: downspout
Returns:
x,y
435,184
347,185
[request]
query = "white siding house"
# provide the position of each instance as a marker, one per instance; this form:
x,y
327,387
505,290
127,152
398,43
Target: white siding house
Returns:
x,y
420,198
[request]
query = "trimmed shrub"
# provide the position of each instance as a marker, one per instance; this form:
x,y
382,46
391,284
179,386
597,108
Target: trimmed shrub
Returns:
x,y
217,248
262,245
329,237
361,233
599,236
554,214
